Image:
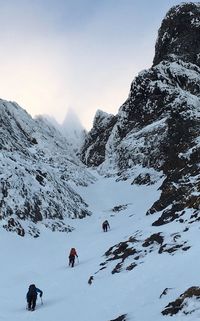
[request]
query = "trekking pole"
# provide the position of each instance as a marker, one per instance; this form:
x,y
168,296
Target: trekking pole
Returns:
x,y
41,301
77,259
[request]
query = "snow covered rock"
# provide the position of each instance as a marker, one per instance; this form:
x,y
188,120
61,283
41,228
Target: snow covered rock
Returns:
x,y
38,169
73,130
185,303
93,151
179,34
120,318
156,131
129,254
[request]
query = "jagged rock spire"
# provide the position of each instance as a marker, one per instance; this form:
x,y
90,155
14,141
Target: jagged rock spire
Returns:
x,y
179,34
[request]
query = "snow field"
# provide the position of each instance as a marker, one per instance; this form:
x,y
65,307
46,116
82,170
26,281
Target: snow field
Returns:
x,y
67,295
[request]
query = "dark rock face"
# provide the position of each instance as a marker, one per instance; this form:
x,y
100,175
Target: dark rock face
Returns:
x,y
93,151
136,249
182,172
120,318
158,126
180,304
143,179
179,34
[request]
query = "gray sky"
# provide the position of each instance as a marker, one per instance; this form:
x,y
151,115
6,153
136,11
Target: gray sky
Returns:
x,y
80,54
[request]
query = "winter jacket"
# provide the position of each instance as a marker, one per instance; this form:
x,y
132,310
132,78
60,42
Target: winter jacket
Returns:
x,y
32,292
73,253
105,224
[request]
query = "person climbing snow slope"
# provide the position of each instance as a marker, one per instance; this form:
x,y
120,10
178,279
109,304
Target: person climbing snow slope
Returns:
x,y
105,226
72,256
31,296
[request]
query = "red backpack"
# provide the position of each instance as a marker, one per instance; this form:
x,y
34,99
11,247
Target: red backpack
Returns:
x,y
73,252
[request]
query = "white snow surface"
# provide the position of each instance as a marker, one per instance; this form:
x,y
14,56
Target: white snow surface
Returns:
x,y
67,294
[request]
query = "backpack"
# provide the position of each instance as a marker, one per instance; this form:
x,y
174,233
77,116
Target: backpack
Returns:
x,y
73,252
32,290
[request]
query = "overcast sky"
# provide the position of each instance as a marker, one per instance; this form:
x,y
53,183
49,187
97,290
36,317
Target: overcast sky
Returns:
x,y
80,54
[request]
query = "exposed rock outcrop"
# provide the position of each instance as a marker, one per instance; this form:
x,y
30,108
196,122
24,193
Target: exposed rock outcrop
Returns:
x,y
179,34
129,254
181,303
93,151
120,318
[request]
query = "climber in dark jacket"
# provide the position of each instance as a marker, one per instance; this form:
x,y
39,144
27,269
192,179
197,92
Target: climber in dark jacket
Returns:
x,y
32,296
105,226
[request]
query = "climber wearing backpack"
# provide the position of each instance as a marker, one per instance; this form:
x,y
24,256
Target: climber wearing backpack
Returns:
x,y
105,226
32,296
72,256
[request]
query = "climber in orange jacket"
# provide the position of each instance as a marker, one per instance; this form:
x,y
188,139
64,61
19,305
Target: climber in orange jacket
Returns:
x,y
72,256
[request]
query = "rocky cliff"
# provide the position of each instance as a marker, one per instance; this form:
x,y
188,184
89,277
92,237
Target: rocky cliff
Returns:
x,y
93,151
156,131
179,34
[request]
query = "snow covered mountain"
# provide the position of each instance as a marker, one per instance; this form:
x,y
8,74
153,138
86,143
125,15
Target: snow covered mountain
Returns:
x,y
73,130
93,150
38,169
141,173
156,131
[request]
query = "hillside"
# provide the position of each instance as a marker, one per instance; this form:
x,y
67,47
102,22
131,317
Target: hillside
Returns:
x,y
158,260
38,169
139,169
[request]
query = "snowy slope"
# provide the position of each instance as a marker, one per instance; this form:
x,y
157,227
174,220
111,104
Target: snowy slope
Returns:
x,y
67,295
37,169
144,179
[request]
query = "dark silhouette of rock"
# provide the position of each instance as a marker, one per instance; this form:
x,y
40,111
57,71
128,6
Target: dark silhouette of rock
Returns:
x,y
164,292
178,305
120,318
179,34
93,151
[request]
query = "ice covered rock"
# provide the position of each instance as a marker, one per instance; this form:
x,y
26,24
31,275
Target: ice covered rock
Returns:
x,y
38,169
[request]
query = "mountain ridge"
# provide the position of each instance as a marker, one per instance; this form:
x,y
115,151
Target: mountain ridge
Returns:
x,y
154,135
38,168
140,172
158,125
